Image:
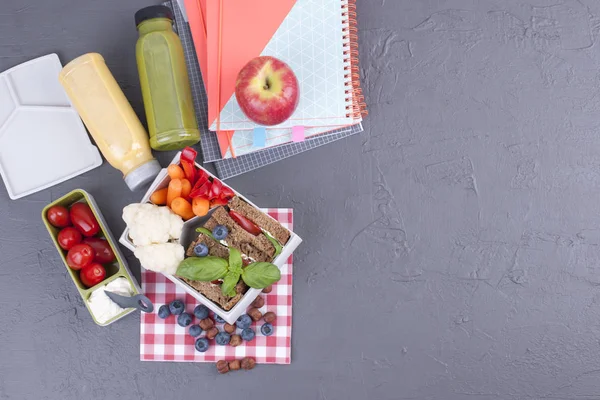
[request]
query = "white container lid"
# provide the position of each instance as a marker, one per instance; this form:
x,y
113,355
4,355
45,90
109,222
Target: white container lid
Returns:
x,y
42,139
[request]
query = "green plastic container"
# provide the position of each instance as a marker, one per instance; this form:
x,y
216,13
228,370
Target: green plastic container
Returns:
x,y
165,82
115,270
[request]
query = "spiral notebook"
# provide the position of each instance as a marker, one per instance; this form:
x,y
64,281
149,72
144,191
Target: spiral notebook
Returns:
x,y
231,167
314,37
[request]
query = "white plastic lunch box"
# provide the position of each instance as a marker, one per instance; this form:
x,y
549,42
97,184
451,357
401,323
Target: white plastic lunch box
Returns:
x,y
189,234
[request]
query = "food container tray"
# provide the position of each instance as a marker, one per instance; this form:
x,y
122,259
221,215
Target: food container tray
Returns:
x,y
117,269
32,101
189,234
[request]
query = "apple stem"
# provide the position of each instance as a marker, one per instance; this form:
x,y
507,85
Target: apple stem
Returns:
x,y
267,84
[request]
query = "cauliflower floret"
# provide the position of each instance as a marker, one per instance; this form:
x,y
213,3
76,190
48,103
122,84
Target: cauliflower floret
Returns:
x,y
150,224
163,257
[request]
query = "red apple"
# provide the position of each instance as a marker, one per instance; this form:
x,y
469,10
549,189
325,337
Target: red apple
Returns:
x,y
267,90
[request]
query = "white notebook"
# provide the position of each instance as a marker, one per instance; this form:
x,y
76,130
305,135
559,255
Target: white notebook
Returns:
x,y
313,41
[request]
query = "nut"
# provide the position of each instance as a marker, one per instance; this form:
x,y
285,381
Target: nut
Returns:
x,y
222,366
206,324
258,302
255,314
229,328
235,341
248,363
270,317
268,289
211,333
235,365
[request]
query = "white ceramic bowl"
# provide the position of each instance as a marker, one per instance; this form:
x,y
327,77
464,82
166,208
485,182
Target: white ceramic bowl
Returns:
x,y
189,234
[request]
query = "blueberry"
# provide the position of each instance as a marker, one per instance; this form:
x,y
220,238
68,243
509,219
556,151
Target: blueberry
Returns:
x,y
195,331
184,319
267,329
201,250
248,334
176,307
201,311
220,232
201,345
219,319
223,338
163,311
244,321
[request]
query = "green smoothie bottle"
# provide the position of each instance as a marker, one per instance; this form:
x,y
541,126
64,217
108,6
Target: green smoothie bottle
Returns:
x,y
165,83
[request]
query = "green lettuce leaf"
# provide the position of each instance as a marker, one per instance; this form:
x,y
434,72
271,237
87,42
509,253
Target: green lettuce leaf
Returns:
x,y
206,232
229,283
275,244
204,269
260,275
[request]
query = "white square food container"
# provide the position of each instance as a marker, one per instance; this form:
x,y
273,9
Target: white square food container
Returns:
x,y
189,234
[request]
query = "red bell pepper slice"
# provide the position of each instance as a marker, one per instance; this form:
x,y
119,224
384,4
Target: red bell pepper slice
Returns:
x,y
189,154
202,191
215,190
227,193
189,170
202,178
187,160
218,202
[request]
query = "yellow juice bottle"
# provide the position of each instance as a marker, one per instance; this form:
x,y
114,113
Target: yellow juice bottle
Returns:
x,y
109,118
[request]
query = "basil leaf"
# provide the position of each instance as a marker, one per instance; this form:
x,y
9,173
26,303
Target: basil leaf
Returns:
x,y
260,275
275,244
235,260
229,283
204,269
206,232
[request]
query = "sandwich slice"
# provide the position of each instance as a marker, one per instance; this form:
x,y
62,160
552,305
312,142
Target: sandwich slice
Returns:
x,y
267,224
256,248
212,290
257,236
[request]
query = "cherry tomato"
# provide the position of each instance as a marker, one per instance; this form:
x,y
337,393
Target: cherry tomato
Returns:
x,y
81,255
92,275
58,216
68,237
103,251
245,223
84,220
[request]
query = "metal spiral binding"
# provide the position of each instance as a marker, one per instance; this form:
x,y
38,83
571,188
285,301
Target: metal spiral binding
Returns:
x,y
356,106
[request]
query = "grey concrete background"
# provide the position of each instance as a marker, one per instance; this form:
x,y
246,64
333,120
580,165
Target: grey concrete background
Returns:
x,y
451,252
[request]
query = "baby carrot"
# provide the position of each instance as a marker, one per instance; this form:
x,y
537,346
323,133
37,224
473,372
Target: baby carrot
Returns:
x,y
174,191
175,172
200,206
183,208
186,188
159,197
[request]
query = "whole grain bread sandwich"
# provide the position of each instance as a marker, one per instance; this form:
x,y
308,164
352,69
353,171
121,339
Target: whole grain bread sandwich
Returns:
x,y
257,236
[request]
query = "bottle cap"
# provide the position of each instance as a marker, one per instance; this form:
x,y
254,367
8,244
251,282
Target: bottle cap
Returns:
x,y
153,12
142,175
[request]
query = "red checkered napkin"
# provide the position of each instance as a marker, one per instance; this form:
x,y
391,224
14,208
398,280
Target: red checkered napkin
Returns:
x,y
164,340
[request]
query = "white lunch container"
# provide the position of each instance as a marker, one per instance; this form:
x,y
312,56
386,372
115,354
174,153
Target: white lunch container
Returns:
x,y
189,234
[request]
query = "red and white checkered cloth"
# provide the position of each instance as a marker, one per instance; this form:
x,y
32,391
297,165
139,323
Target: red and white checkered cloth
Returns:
x,y
164,340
